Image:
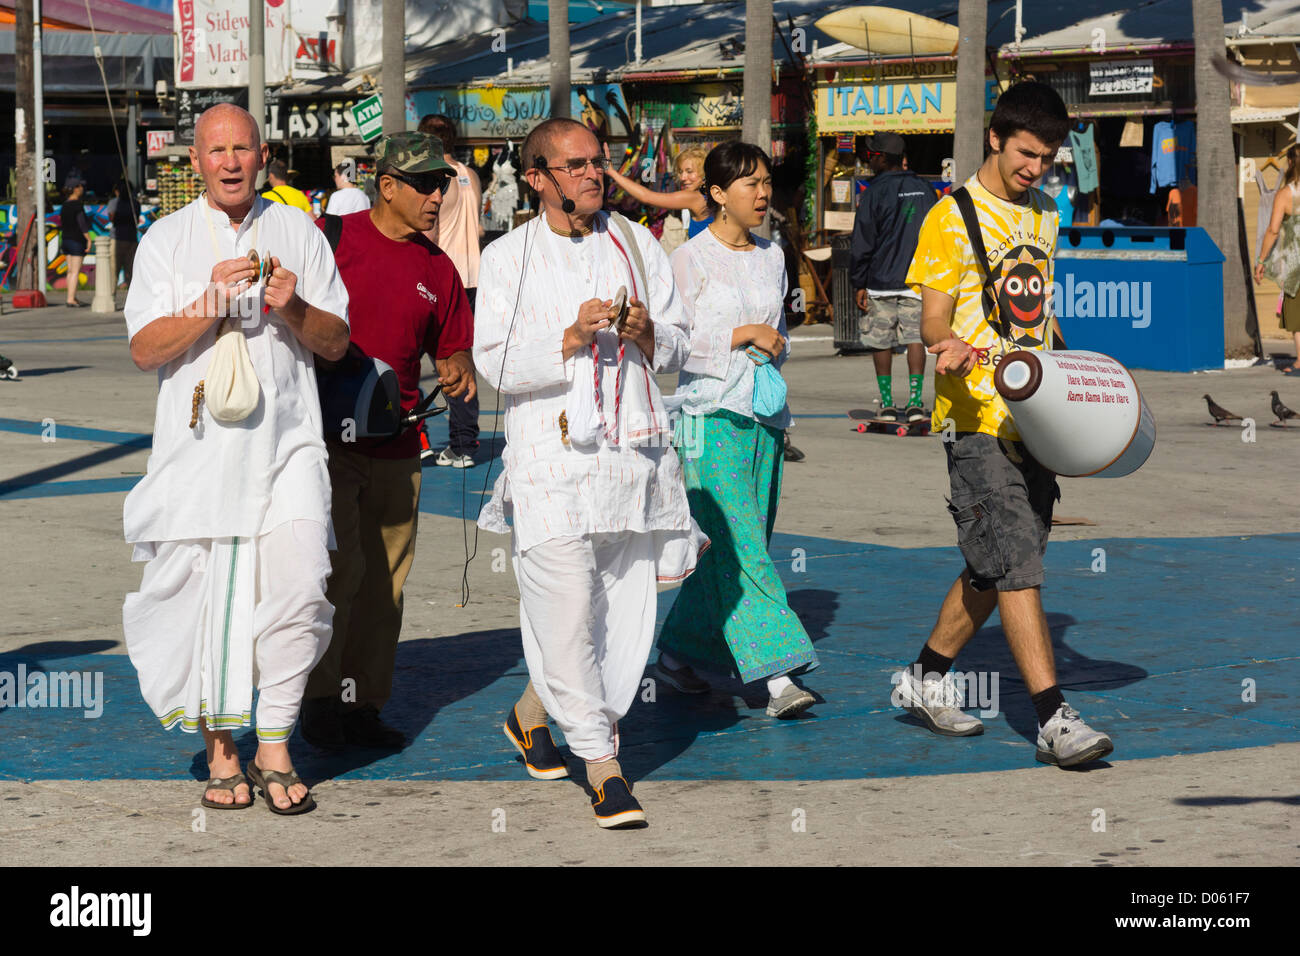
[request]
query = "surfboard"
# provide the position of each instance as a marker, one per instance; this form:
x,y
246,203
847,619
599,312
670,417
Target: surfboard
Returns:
x,y
887,32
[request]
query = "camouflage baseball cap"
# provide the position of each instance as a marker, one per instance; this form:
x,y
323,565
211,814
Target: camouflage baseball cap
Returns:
x,y
411,153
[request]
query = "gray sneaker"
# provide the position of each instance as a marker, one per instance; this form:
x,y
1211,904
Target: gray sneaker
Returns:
x,y
1067,741
793,701
937,703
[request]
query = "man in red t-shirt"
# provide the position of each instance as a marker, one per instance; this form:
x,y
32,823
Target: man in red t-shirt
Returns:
x,y
406,300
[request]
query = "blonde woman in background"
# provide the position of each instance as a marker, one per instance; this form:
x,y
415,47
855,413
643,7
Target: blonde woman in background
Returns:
x,y
1284,267
690,199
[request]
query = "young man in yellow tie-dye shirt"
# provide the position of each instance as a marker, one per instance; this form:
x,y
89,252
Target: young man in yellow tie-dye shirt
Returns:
x,y
1001,497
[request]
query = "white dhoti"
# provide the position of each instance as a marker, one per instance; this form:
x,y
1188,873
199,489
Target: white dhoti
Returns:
x,y
214,618
587,614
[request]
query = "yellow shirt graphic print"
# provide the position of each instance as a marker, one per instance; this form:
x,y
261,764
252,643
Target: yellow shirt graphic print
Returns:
x,y
1020,241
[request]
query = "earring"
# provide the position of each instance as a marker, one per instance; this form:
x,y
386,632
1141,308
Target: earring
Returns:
x,y
724,213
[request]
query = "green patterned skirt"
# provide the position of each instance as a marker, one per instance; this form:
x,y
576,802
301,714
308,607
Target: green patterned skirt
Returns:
x,y
731,616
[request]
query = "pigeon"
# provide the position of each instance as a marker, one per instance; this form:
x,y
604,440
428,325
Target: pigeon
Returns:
x,y
1280,410
1237,73
1220,414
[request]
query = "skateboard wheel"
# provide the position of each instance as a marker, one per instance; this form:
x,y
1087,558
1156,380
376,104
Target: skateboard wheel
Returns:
x,y
900,431
862,429
11,371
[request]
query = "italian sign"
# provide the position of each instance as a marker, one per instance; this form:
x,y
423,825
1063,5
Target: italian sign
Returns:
x,y
898,107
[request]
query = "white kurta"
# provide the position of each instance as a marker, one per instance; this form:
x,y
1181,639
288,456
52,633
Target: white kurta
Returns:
x,y
234,518
242,478
594,525
547,488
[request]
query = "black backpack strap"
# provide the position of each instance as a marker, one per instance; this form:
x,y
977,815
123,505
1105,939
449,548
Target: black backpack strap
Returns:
x,y
333,230
966,206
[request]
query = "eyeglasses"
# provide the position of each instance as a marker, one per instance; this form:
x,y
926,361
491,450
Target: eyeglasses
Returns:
x,y
423,183
576,167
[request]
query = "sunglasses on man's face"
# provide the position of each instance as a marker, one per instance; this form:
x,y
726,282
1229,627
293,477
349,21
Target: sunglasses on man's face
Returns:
x,y
423,183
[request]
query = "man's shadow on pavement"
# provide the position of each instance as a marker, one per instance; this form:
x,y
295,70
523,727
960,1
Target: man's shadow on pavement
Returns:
x,y
988,652
430,675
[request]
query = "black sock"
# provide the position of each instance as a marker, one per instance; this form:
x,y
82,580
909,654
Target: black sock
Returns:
x,y
932,662
1046,702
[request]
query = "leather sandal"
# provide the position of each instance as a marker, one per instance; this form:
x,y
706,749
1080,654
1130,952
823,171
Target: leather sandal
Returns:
x,y
227,783
261,778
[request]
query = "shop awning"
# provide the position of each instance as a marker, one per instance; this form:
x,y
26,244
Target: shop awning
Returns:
x,y
1259,114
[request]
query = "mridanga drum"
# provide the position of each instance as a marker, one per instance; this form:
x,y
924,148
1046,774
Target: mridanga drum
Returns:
x,y
1079,413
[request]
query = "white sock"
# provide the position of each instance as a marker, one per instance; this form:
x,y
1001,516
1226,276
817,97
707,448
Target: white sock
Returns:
x,y
776,686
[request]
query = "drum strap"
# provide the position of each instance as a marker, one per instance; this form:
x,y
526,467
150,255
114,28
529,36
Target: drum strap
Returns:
x,y
966,206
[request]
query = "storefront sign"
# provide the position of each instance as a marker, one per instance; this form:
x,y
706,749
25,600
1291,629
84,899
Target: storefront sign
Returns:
x,y
212,42
509,113
1121,77
708,105
369,117
295,120
897,107
190,104
157,141
302,40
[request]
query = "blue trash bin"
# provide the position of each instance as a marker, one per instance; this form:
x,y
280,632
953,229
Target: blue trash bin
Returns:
x,y
1149,297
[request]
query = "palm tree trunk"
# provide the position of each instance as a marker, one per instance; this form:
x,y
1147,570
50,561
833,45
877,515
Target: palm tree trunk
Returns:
x,y
557,16
757,124
1216,164
972,44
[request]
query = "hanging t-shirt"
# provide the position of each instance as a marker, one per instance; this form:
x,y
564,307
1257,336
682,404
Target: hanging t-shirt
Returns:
x,y
1020,242
1185,151
1085,159
1065,207
1265,213
1164,152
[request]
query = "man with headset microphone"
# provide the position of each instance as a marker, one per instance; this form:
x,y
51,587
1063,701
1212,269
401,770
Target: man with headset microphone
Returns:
x,y
590,480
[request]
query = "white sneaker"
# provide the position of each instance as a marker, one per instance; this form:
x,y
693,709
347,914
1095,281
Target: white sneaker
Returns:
x,y
937,703
454,459
1066,740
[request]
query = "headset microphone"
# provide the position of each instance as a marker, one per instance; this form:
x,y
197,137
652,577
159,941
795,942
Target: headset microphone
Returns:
x,y
568,205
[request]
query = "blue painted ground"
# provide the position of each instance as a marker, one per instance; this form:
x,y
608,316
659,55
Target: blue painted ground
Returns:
x,y
1154,650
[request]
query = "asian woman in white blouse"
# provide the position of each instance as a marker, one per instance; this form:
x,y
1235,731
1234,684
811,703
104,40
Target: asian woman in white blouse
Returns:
x,y
732,615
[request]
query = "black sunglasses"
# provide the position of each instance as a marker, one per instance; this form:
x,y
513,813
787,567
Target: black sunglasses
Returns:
x,y
423,183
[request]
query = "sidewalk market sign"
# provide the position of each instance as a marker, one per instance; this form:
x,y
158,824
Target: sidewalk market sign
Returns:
x,y
915,107
211,41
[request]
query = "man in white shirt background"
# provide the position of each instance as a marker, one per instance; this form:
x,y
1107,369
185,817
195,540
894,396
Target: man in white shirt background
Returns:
x,y
233,516
347,197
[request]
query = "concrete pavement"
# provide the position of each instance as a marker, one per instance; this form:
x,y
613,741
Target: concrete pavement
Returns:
x,y
1197,597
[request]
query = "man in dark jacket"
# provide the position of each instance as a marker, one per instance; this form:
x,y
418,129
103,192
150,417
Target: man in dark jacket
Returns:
x,y
885,230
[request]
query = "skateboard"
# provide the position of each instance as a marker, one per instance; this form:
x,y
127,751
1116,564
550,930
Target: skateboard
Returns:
x,y
869,422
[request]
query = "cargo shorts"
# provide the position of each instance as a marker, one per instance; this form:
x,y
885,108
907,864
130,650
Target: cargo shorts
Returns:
x,y
892,320
1001,502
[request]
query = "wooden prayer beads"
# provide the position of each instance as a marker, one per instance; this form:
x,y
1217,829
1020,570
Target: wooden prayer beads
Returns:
x,y
198,400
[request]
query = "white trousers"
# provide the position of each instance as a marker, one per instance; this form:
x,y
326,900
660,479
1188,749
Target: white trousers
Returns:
x,y
587,614
213,618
